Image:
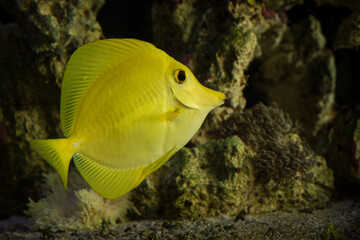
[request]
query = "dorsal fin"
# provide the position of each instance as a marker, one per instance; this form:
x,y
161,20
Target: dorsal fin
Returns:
x,y
86,65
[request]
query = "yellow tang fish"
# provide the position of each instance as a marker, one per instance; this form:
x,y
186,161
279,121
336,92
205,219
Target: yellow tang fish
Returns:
x,y
126,108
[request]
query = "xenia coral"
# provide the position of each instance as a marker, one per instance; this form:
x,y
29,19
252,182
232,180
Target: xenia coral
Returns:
x,y
275,140
77,208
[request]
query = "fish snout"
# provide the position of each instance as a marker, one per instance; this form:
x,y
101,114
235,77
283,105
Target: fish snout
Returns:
x,y
211,98
222,98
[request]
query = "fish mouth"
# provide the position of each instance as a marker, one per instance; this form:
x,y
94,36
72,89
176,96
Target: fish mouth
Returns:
x,y
221,98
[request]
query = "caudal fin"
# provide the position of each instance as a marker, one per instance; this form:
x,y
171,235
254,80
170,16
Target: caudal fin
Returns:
x,y
57,152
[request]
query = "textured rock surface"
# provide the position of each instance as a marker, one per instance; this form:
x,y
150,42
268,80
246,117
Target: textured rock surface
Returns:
x,y
31,65
298,74
55,29
218,179
348,35
342,151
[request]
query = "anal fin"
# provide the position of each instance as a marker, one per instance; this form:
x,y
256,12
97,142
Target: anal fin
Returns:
x,y
114,182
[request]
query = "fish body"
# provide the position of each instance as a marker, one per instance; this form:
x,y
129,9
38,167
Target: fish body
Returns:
x,y
126,108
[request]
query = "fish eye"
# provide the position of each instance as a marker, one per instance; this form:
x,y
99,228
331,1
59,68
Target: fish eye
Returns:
x,y
180,76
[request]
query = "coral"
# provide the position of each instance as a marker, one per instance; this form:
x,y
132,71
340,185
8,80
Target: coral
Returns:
x,y
274,138
218,179
77,208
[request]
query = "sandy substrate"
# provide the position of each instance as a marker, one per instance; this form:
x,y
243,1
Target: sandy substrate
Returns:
x,y
340,221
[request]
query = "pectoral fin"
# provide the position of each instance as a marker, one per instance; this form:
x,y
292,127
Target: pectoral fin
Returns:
x,y
173,113
167,116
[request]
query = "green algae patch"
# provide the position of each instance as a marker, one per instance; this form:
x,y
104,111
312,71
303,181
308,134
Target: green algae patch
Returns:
x,y
237,35
219,179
